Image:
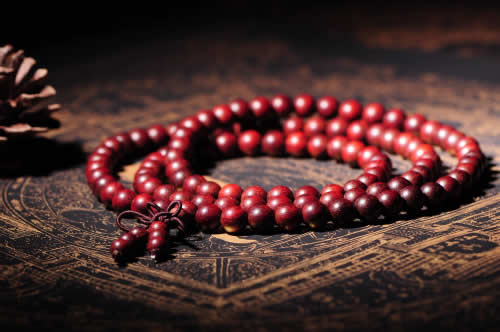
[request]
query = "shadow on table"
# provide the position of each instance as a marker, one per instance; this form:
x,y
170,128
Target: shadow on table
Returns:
x,y
38,156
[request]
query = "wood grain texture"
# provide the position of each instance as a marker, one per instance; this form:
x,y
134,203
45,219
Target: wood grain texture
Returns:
x,y
441,269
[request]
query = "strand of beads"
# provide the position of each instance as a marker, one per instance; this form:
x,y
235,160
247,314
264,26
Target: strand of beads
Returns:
x,y
346,132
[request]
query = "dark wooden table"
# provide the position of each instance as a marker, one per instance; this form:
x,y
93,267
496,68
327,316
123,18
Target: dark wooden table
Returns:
x,y
440,270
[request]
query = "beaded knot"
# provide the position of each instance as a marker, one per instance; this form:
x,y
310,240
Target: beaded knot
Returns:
x,y
155,213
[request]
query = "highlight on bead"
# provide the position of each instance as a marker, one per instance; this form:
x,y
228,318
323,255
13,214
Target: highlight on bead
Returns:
x,y
167,193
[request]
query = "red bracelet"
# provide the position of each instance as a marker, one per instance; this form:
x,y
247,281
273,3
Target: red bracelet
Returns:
x,y
356,136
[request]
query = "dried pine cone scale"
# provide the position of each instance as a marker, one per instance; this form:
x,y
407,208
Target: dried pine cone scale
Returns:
x,y
25,100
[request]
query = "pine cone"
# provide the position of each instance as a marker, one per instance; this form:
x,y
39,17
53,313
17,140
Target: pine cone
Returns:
x,y
25,106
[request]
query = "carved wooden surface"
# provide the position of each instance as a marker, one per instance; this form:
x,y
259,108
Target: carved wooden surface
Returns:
x,y
436,270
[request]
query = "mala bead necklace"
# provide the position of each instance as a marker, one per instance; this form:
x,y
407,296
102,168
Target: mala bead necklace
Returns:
x,y
167,194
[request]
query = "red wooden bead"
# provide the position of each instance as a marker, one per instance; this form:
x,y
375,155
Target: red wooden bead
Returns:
x,y
96,175
342,211
434,193
374,134
428,131
181,195
299,202
388,139
172,128
304,105
162,204
381,173
413,177
351,184
350,109
209,188
280,191
425,172
316,146
277,201
125,141
188,212
366,154
261,217
394,118
401,142
397,183
315,214
413,123
122,199
353,194
225,202
450,186
367,179
368,207
203,199
327,106
140,139
273,143
139,179
336,127
231,190
149,186
306,190
233,219
109,191
250,201
373,112
113,144
442,134
192,123
223,114
260,107
249,142
174,154
139,203
465,141
413,197
178,178
376,188
461,177
102,182
240,108
282,104
207,119
392,202
357,130
451,141
292,124
181,144
183,133
208,217
226,143
176,165
332,187
296,144
335,146
254,191
350,152
467,149
328,198
156,157
314,126
287,217
420,150
192,182
157,134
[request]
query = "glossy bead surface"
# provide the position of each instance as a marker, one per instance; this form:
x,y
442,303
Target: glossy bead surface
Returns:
x,y
327,106
388,139
226,143
249,142
353,194
207,119
261,217
428,131
140,202
391,201
306,190
350,152
350,109
260,107
292,124
434,193
367,179
192,182
277,201
223,114
316,146
450,186
397,183
314,214
314,126
336,127
109,191
287,217
299,202
157,134
413,123
281,104
280,191
273,143
366,154
231,190
209,188
373,112
140,139
368,207
335,146
250,201
342,211
332,187
225,202
199,200
353,184
233,219
254,191
304,105
178,178
240,108
413,177
149,186
376,188
123,199
328,198
181,195
296,144
394,118
208,217
374,134
413,197
357,130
